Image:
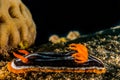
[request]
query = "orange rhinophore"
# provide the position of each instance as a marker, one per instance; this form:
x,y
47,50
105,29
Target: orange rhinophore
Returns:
x,y
76,60
23,59
23,52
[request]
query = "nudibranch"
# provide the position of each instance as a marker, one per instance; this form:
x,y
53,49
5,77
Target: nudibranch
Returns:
x,y
75,60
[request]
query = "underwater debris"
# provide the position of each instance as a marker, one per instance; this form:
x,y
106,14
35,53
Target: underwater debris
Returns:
x,y
72,35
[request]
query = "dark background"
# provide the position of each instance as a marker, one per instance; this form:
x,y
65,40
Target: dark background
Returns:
x,y
61,16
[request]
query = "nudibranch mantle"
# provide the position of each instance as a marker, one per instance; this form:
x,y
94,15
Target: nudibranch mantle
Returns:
x,y
57,62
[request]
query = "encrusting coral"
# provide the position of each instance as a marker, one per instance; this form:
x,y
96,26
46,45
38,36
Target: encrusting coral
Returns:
x,y
16,24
